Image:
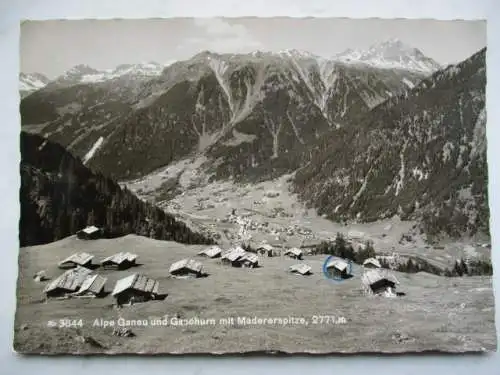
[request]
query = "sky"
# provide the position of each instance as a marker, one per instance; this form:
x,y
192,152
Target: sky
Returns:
x,y
52,47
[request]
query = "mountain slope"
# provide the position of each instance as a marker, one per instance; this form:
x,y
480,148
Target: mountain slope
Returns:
x,y
253,116
30,82
77,108
59,196
421,155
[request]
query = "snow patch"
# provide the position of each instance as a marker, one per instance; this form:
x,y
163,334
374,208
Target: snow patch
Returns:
x,y
408,83
93,150
400,182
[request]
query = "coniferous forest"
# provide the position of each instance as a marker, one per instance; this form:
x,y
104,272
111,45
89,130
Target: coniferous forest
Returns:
x,y
59,196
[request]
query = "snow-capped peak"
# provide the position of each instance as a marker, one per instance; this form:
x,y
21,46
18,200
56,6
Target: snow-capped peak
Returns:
x,y
145,69
295,53
32,81
390,54
84,73
81,69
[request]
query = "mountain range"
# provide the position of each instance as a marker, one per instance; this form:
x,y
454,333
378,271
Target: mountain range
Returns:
x,y
365,131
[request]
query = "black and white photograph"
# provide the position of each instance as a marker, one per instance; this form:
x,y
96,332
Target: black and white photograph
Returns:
x,y
253,185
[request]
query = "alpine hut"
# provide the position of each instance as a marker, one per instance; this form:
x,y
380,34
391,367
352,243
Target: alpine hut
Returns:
x,y
187,268
371,263
379,281
89,233
119,261
294,253
69,282
301,268
75,260
233,256
211,252
249,260
135,288
92,286
338,268
265,249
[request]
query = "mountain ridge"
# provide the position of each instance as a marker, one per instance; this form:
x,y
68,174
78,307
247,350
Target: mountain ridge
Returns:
x,y
422,154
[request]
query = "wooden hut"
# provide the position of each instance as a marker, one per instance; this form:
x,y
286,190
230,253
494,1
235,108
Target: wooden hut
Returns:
x,y
92,286
75,260
89,233
294,253
265,249
379,281
119,261
67,283
301,268
233,256
187,268
211,252
338,269
135,288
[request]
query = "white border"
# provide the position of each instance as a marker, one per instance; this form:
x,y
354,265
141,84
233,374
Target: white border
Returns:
x,y
11,12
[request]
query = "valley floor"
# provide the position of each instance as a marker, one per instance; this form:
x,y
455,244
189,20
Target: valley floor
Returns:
x,y
437,313
274,214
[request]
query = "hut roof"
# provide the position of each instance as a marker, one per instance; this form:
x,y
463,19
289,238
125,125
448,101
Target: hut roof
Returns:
x,y
93,284
339,264
301,268
252,258
120,258
211,251
234,254
70,280
294,250
265,246
91,229
137,282
78,258
372,276
190,264
373,261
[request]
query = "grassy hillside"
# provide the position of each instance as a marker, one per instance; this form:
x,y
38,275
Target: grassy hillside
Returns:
x,y
437,313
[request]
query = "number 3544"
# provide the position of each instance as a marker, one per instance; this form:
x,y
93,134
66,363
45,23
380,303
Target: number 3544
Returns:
x,y
70,323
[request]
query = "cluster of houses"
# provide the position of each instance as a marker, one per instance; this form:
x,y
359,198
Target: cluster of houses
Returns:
x,y
79,279
265,227
375,279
